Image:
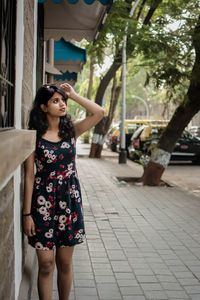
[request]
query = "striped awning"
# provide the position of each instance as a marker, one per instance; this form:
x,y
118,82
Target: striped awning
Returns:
x,y
68,77
68,57
103,2
77,21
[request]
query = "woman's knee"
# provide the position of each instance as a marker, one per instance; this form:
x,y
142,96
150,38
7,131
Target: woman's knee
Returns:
x,y
64,266
46,267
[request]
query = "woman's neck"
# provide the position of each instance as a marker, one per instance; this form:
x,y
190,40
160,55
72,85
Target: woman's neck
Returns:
x,y
53,124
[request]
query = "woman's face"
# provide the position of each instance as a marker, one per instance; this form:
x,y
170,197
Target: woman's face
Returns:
x,y
56,106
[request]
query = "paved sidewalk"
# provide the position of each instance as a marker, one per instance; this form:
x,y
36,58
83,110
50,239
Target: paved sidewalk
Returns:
x,y
142,242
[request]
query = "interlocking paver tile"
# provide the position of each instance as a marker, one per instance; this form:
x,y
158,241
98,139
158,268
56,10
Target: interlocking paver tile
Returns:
x,y
105,279
85,291
124,275
172,286
133,297
83,297
192,289
127,282
195,297
189,281
108,291
147,279
156,295
84,283
128,290
116,254
120,266
177,294
151,286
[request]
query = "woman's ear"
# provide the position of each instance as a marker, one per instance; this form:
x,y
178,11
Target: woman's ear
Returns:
x,y
43,108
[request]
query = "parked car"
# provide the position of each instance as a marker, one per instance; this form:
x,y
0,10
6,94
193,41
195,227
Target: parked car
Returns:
x,y
146,137
113,136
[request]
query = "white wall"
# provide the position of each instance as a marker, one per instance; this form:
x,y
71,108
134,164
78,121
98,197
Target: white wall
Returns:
x,y
35,48
18,120
19,63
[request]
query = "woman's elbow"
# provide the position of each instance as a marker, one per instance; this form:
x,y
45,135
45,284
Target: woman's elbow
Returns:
x,y
101,113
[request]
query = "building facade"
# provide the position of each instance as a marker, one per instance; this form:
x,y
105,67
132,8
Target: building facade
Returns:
x,y
17,86
24,30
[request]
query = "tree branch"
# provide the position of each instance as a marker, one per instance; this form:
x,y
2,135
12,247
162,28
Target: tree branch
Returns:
x,y
140,9
151,11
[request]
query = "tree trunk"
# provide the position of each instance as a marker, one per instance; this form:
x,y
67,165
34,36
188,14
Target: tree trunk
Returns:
x,y
99,128
91,76
102,127
115,93
181,118
107,78
89,94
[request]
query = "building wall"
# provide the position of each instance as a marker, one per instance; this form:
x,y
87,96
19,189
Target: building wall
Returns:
x,y
17,174
28,92
29,59
16,144
7,288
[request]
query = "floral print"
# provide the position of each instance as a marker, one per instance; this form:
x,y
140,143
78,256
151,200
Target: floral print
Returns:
x,y
56,203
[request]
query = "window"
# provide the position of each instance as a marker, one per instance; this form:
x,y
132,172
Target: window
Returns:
x,y
7,62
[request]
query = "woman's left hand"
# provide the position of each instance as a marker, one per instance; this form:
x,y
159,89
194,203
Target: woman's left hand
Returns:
x,y
68,90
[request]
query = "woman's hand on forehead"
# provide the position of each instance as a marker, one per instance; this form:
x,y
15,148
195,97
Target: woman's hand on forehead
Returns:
x,y
68,89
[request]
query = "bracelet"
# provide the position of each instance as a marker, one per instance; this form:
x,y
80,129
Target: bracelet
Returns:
x,y
26,215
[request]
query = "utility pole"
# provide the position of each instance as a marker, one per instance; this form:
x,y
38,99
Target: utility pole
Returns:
x,y
122,153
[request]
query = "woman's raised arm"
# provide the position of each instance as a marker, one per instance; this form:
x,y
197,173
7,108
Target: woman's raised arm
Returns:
x,y
96,111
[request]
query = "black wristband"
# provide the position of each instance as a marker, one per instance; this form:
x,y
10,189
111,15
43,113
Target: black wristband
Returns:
x,y
26,215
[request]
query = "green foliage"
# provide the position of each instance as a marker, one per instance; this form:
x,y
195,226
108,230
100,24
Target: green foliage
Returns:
x,y
160,55
166,48
111,36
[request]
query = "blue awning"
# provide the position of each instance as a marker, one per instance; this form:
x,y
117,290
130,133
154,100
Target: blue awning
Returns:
x,y
104,2
67,76
68,57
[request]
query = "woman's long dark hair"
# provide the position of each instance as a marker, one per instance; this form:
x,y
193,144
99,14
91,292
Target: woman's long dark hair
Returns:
x,y
38,119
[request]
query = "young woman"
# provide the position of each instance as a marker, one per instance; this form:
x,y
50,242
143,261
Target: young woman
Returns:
x,y
52,207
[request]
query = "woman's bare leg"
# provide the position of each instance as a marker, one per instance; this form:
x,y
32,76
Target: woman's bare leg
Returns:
x,y
64,266
46,262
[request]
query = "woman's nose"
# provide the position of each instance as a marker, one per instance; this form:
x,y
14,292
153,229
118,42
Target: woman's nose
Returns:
x,y
62,103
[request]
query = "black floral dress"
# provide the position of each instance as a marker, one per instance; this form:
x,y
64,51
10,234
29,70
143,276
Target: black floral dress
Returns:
x,y
56,201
